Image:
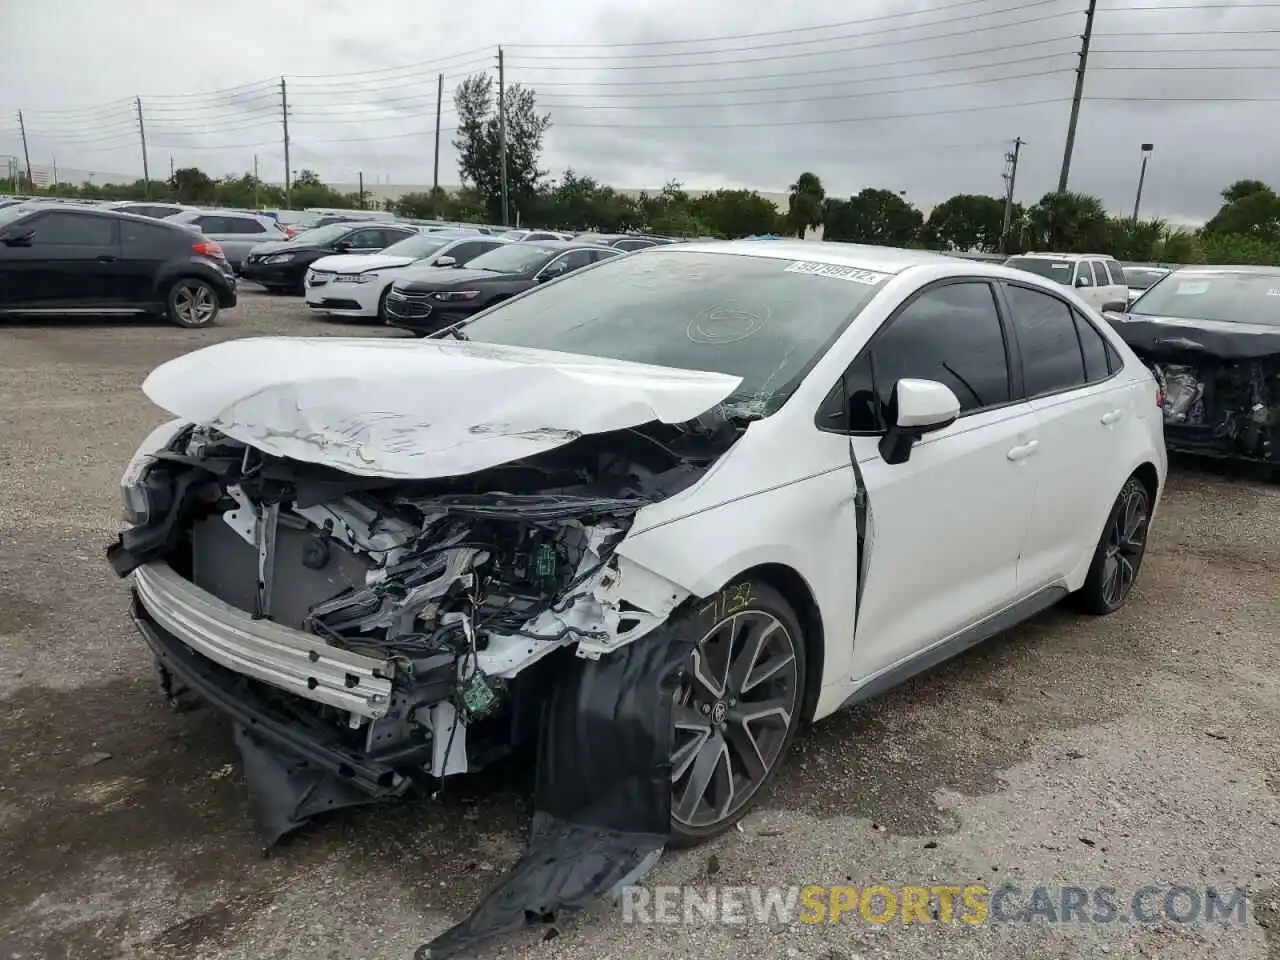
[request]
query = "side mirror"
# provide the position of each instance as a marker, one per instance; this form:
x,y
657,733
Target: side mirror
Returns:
x,y
916,407
1115,306
445,261
341,246
21,239
1083,282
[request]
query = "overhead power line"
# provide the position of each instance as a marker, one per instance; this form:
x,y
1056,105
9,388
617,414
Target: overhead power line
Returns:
x,y
843,70
840,38
815,122
704,105
790,31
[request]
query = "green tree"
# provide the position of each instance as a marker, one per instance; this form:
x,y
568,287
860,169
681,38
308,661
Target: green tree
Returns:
x,y
1068,223
1250,209
577,202
1239,248
1178,246
873,216
805,200
735,213
1136,240
1243,188
192,185
479,143
969,222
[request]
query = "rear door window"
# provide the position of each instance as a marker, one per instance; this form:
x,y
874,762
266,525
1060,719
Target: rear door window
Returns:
x,y
1053,269
244,225
1094,348
1052,360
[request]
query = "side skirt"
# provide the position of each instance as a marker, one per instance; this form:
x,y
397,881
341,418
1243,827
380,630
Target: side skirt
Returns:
x,y
958,643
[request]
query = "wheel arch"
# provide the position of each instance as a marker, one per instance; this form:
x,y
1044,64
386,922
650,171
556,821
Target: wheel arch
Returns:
x,y
797,592
1149,477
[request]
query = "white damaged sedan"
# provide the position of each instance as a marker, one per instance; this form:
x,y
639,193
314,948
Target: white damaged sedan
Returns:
x,y
646,519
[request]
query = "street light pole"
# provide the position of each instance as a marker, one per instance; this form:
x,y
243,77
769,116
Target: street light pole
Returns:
x,y
1142,176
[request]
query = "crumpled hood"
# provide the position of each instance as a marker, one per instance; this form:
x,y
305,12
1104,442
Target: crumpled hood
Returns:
x,y
418,409
360,262
1156,336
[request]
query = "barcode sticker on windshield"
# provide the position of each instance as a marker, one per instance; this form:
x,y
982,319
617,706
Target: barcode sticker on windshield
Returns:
x,y
1274,292
1192,288
837,272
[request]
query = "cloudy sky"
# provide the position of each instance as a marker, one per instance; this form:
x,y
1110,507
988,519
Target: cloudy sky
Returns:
x,y
922,96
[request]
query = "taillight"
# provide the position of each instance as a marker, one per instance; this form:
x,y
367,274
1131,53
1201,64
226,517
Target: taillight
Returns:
x,y
290,233
1159,398
207,248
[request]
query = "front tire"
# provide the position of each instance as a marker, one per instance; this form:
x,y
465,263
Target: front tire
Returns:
x,y
737,708
191,303
1118,556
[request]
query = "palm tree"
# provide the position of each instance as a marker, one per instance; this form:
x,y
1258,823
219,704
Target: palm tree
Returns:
x,y
804,203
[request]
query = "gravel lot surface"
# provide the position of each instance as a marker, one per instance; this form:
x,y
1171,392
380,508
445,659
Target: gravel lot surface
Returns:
x,y
1139,749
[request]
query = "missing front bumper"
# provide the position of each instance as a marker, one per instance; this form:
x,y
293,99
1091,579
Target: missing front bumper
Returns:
x,y
296,662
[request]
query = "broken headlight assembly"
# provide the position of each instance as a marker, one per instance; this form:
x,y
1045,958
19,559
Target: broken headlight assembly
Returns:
x,y
134,494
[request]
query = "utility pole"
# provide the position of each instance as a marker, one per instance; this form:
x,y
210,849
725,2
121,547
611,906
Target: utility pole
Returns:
x,y
1010,179
171,166
1077,95
1142,176
142,133
284,116
502,132
360,176
435,173
255,181
26,154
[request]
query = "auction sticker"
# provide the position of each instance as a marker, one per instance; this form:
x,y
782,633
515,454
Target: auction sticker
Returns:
x,y
837,272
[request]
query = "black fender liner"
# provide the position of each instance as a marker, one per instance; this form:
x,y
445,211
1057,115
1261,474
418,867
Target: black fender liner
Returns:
x,y
603,791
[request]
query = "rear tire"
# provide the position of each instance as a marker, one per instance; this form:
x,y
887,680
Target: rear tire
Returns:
x,y
191,303
1118,556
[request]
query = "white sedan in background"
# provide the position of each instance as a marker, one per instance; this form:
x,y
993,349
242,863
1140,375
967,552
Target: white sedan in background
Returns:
x,y
356,285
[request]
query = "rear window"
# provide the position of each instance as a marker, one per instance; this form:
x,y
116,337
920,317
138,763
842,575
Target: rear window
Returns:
x,y
1141,278
1059,270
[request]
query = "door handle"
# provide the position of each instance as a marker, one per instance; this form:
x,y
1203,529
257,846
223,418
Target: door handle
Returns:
x,y
106,259
1109,418
1022,451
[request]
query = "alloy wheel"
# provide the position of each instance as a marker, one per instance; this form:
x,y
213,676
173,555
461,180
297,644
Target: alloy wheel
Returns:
x,y
734,707
1125,545
194,304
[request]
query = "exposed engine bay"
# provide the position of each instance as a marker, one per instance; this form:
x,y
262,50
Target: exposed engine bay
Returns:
x,y
1228,408
438,623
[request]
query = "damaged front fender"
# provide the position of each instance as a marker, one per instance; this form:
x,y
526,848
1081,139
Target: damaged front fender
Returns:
x,y
603,798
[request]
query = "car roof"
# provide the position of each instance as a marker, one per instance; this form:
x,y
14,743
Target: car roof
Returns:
x,y
1046,255
857,255
561,245
87,211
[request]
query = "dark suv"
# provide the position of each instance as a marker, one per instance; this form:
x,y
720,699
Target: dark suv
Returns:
x,y
77,260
